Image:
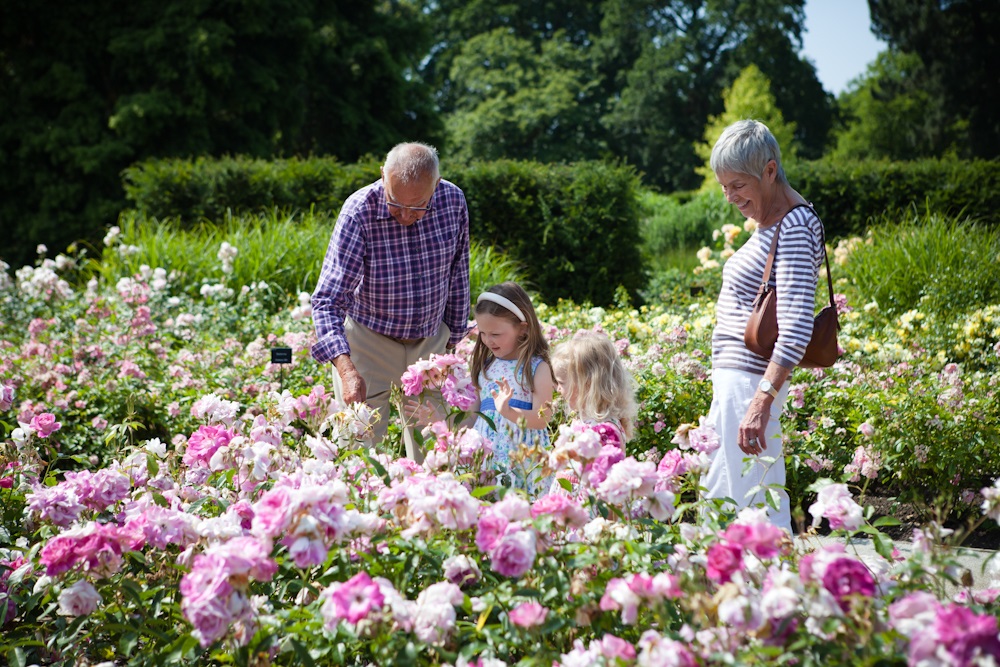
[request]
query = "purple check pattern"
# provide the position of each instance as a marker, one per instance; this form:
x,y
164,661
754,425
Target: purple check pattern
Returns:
x,y
398,281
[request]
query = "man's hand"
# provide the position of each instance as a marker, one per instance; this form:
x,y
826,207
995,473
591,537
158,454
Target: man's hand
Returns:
x,y
351,381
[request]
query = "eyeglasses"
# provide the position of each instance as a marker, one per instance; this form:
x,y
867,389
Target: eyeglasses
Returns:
x,y
399,207
393,206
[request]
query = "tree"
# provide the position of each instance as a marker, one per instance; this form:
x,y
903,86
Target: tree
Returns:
x,y
687,50
749,97
629,79
888,114
89,89
958,44
522,101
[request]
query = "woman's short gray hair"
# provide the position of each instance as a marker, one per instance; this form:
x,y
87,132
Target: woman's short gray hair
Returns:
x,y
745,147
413,162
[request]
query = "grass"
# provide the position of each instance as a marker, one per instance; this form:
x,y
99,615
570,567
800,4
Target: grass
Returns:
x,y
284,250
928,262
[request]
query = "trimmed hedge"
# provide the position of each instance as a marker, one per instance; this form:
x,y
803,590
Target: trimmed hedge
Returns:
x,y
206,188
848,195
574,227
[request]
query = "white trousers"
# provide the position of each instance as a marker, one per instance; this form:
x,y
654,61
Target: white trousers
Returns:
x,y
381,362
732,391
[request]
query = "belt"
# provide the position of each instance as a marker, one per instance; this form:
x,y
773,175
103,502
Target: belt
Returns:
x,y
406,341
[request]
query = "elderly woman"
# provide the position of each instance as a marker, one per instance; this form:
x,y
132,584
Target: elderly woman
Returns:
x,y
748,390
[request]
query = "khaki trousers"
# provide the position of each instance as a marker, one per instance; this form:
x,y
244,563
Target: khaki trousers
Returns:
x,y
381,361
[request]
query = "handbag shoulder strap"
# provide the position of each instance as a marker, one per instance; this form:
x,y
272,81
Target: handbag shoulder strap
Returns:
x,y
774,248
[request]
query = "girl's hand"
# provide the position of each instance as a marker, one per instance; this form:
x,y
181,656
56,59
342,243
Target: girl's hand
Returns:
x,y
421,413
501,397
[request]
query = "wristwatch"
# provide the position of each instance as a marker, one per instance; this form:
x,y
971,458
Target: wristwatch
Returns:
x,y
766,386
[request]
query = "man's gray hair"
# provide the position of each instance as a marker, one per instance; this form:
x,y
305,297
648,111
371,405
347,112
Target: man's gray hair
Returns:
x,y
413,162
745,147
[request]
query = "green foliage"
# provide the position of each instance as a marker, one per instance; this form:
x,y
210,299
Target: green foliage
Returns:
x,y
889,115
955,44
208,188
87,91
849,194
749,97
574,228
928,262
683,53
278,257
488,266
520,102
673,231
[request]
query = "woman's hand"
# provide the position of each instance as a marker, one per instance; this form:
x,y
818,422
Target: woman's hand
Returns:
x,y
753,426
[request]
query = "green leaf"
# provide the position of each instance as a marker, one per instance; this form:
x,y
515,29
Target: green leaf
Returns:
x,y
481,491
302,653
883,545
152,465
16,657
886,521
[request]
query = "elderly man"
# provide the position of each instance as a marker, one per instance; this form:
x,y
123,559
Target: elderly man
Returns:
x,y
395,282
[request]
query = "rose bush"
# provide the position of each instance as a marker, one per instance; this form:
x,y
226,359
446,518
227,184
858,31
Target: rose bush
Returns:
x,y
170,497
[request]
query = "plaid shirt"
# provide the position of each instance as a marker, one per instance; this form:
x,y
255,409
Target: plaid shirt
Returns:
x,y
398,281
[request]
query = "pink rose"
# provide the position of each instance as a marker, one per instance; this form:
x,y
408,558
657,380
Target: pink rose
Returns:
x,y
723,560
352,600
6,397
45,424
848,579
515,554
203,443
528,614
491,527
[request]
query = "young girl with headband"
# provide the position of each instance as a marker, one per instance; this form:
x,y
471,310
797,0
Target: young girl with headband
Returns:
x,y
510,364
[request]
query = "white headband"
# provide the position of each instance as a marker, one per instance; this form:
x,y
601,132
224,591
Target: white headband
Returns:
x,y
503,301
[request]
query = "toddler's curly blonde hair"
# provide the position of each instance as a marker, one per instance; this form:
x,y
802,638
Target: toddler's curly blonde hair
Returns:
x,y
595,381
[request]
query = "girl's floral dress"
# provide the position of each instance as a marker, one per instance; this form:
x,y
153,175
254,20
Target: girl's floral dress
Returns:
x,y
508,436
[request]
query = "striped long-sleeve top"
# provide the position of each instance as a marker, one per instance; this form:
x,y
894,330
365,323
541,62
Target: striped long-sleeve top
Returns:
x,y
794,275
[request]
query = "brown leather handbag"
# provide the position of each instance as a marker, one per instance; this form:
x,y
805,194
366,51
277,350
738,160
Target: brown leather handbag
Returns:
x,y
762,328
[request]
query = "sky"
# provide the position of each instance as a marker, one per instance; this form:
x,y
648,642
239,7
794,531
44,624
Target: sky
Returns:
x,y
839,41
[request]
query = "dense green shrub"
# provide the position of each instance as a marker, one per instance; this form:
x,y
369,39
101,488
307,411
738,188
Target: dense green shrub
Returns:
x,y
209,188
674,229
574,228
848,195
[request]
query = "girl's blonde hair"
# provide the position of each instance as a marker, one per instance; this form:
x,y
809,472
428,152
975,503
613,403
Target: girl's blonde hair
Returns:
x,y
589,368
532,343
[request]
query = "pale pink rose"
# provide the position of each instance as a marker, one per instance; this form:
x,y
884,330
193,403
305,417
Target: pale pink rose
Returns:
x,y
461,570
528,614
514,554
835,503
80,599
434,612
619,595
628,479
565,510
